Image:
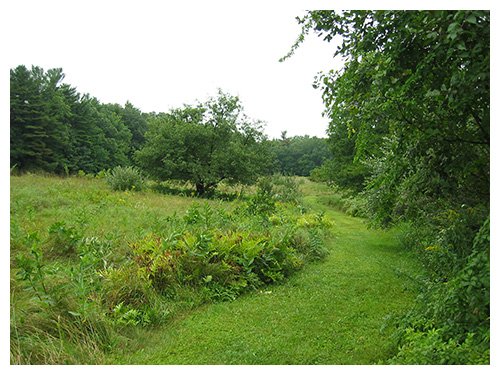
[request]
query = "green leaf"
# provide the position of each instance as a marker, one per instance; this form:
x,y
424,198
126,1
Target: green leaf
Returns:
x,y
452,26
433,93
471,19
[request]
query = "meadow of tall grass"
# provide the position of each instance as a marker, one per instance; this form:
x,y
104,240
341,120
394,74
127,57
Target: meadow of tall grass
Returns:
x,y
89,263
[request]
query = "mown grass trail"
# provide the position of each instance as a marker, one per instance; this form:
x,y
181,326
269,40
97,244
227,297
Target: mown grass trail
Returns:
x,y
334,312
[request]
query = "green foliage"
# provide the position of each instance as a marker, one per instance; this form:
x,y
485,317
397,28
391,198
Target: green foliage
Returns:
x,y
430,348
410,120
299,155
75,287
126,178
450,323
63,239
55,129
32,268
221,264
64,312
421,127
343,168
271,192
206,144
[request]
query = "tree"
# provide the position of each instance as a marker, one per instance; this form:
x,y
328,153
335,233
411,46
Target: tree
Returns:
x,y
299,155
343,169
39,132
205,144
414,92
117,137
53,128
135,121
25,120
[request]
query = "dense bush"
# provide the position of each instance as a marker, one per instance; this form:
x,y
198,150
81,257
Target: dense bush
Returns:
x,y
222,254
450,323
125,178
351,204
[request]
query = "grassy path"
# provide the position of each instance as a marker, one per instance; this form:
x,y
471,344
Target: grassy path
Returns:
x,y
332,312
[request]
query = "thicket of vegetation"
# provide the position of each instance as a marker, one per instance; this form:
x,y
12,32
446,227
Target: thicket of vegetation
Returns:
x,y
410,133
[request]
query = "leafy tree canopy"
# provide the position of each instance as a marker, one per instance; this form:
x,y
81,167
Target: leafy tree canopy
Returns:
x,y
299,155
414,95
205,144
412,105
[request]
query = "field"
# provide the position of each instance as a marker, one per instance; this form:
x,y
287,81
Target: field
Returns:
x,y
106,277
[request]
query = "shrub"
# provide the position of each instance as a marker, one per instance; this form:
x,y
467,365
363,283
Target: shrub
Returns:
x,y
450,323
280,188
353,205
432,348
125,178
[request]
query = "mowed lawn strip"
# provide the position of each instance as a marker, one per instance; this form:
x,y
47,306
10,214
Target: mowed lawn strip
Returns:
x,y
334,312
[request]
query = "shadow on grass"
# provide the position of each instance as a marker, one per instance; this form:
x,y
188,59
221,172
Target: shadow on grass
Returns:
x,y
185,190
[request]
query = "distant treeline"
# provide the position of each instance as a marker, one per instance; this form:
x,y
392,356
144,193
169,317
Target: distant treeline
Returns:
x,y
300,155
54,128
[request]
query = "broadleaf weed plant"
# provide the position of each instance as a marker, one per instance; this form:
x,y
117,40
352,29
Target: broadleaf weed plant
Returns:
x,y
32,268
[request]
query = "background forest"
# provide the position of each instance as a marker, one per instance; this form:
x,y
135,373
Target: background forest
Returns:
x,y
56,129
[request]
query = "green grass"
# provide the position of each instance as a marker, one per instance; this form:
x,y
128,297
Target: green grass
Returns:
x,y
337,311
37,201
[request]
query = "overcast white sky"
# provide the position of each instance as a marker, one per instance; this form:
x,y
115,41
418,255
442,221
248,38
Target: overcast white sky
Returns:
x,y
160,55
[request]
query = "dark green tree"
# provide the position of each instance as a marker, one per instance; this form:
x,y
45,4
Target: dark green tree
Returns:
x,y
56,119
54,128
343,169
415,93
87,138
299,155
39,134
25,120
205,144
117,137
136,122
